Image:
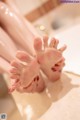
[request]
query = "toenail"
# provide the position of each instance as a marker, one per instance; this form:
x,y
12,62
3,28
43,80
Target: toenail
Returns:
x,y
53,69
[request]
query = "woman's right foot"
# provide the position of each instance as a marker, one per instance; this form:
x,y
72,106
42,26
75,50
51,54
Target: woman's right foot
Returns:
x,y
26,74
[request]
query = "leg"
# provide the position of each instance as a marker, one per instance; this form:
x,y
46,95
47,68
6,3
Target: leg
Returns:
x,y
4,66
7,47
50,58
12,5
17,30
26,75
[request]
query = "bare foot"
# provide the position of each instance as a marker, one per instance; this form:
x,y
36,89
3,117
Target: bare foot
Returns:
x,y
49,57
26,74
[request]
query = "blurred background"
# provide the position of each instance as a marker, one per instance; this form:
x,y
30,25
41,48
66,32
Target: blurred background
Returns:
x,y
54,15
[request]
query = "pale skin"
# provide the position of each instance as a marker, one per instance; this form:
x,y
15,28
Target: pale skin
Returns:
x,y
7,51
49,59
7,46
27,78
18,29
12,5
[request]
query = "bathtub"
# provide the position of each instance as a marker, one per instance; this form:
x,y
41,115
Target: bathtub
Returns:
x,y
67,105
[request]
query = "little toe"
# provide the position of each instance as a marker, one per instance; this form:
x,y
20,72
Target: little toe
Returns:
x,y
38,44
14,71
14,85
16,64
62,49
23,56
45,40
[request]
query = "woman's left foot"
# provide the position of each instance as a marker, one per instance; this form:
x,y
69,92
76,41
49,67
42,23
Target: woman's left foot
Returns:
x,y
49,57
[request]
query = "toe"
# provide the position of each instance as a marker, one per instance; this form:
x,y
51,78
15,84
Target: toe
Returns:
x,y
45,40
38,44
14,70
23,56
62,49
16,64
14,76
56,43
52,42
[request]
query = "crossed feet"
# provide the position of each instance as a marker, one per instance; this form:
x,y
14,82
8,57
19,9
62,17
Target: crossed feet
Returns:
x,y
26,70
